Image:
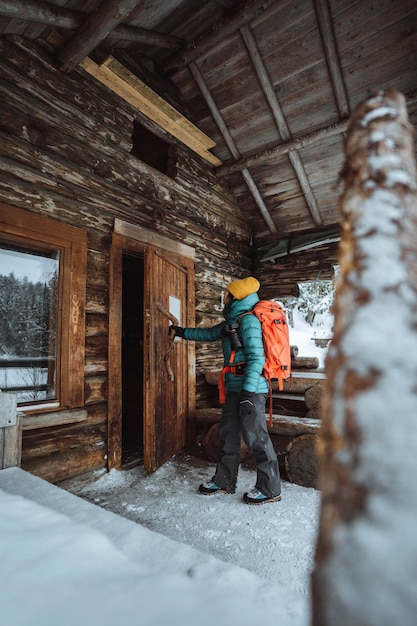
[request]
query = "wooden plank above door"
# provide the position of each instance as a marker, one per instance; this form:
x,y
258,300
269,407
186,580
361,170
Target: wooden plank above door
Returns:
x,y
152,238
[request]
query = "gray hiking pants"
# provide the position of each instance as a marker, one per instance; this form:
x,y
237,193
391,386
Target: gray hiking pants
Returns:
x,y
255,434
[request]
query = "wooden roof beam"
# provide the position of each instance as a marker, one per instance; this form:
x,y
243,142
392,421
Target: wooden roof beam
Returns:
x,y
280,121
41,12
92,32
242,14
59,17
272,154
324,22
230,142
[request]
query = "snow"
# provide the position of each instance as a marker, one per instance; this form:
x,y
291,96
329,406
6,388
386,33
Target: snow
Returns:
x,y
302,335
128,547
181,557
370,576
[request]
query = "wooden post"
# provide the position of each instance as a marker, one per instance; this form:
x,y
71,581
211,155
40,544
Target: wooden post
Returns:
x,y
366,551
10,432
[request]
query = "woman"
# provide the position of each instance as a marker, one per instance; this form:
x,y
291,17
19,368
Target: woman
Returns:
x,y
246,393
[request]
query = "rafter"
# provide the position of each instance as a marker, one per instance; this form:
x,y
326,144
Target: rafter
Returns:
x,y
230,142
41,12
272,154
58,17
93,31
243,13
324,22
280,121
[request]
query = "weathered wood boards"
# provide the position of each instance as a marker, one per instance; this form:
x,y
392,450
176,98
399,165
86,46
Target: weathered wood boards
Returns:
x,y
10,431
65,146
112,74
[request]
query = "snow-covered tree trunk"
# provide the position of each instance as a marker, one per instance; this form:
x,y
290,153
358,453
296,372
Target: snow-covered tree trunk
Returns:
x,y
366,556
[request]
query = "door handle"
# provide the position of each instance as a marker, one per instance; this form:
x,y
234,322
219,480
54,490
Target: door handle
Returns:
x,y
166,356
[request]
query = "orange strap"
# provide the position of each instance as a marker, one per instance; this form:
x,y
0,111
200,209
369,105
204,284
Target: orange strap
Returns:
x,y
222,389
236,369
270,399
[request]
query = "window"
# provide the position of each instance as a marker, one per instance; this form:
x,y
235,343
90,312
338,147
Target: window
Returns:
x,y
42,310
310,316
153,150
28,322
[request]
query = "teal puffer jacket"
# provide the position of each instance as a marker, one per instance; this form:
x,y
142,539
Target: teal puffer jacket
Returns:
x,y
252,353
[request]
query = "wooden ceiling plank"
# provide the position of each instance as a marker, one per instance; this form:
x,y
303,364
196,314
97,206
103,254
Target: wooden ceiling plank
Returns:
x,y
92,32
272,154
280,121
242,14
131,89
232,146
324,22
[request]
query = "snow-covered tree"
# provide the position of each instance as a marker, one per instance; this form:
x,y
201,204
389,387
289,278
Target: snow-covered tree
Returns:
x,y
366,557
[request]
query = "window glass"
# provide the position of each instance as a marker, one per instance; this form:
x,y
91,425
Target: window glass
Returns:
x,y
29,280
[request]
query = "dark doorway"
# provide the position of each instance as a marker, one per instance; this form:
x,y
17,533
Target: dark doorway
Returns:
x,y
132,361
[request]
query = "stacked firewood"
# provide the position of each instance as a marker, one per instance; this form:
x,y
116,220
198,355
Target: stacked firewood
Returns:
x,y
294,431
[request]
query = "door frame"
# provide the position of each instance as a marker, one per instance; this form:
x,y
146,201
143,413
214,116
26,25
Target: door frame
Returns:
x,y
130,238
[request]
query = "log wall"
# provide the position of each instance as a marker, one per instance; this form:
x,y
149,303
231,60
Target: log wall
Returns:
x,y
65,146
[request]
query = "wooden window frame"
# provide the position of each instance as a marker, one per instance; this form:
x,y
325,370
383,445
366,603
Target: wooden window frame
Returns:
x,y
32,230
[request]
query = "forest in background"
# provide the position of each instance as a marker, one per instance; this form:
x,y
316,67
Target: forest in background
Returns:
x,y
27,321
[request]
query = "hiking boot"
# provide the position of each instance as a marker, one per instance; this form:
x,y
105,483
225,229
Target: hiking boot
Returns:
x,y
210,487
257,497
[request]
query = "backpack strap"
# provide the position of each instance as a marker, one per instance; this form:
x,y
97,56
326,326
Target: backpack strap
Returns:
x,y
221,385
280,382
238,369
231,368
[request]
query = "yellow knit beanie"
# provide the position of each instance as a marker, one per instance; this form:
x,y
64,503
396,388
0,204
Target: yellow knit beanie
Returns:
x,y
244,287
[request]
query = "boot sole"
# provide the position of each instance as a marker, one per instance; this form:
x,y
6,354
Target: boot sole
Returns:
x,y
259,502
212,493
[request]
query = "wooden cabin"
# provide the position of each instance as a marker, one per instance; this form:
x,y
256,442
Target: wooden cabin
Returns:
x,y
151,153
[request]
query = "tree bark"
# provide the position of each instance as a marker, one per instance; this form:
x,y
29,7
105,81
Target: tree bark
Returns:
x,y
368,495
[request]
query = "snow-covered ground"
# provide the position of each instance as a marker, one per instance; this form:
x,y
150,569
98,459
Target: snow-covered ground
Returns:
x,y
213,559
151,550
303,334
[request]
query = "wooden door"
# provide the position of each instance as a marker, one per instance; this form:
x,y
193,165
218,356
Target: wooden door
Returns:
x,y
169,377
168,272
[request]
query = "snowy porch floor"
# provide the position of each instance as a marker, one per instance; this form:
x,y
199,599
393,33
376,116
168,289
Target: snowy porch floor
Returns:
x,y
253,561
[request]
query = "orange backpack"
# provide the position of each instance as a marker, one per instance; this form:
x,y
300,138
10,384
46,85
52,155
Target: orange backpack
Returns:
x,y
276,340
